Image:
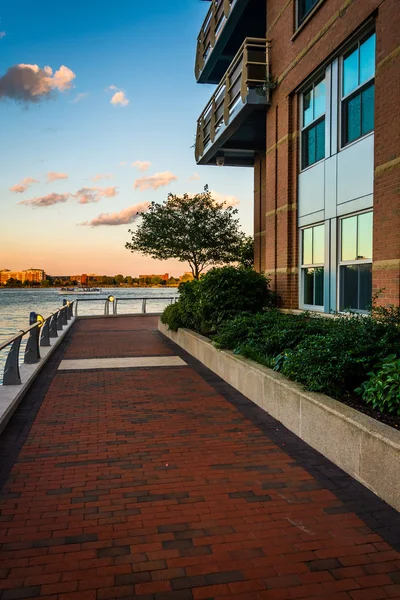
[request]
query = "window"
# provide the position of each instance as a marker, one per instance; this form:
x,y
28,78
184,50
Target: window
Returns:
x,y
312,265
358,90
313,124
304,7
355,267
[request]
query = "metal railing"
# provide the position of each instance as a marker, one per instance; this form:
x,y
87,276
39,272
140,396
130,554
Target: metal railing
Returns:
x,y
250,69
40,331
213,24
111,303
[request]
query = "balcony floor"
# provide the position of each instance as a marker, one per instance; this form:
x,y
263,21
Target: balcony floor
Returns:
x,y
163,482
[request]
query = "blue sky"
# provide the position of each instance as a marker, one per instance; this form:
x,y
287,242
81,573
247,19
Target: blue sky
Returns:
x,y
145,50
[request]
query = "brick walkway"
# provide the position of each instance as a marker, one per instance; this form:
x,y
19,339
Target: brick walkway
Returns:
x,y
164,483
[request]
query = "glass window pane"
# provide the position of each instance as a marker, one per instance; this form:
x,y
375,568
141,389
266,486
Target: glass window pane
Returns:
x,y
319,99
367,59
350,72
319,286
307,246
367,110
308,286
365,283
353,125
307,107
304,8
349,238
349,287
320,141
364,236
309,147
318,245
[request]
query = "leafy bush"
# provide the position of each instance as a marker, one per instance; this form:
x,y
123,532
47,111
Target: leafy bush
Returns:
x,y
172,316
338,362
219,295
382,390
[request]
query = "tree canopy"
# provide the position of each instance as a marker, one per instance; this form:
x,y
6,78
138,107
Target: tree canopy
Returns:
x,y
193,229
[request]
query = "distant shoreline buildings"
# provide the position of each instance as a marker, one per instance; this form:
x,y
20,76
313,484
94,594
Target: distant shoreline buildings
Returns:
x,y
31,275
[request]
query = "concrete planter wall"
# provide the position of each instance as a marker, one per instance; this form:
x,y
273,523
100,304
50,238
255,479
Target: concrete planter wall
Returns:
x,y
366,449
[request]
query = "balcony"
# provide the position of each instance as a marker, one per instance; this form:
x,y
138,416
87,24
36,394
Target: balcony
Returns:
x,y
227,24
232,128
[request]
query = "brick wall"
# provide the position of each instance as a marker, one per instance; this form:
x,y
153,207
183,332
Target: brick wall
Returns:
x,y
293,59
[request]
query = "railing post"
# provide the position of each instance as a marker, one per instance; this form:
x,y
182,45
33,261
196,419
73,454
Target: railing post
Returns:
x,y
32,353
11,370
227,99
45,337
53,327
144,306
76,307
115,306
213,22
227,7
70,310
244,88
64,312
213,120
59,321
106,309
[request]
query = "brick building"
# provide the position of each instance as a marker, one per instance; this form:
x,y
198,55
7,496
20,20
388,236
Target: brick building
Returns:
x,y
307,94
36,275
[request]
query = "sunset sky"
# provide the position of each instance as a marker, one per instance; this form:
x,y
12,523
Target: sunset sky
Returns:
x,y
98,111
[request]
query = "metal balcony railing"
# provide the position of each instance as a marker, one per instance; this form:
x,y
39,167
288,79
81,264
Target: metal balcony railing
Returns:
x,y
213,24
249,70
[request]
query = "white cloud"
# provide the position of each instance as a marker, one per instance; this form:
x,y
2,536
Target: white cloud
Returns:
x,y
155,181
88,195
52,176
127,216
80,97
224,198
2,34
30,83
119,97
45,201
142,165
21,187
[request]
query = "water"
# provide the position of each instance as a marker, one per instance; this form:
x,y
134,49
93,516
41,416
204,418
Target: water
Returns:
x,y
15,306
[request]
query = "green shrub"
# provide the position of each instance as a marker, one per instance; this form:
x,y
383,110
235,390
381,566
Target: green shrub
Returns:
x,y
172,316
382,389
338,362
218,296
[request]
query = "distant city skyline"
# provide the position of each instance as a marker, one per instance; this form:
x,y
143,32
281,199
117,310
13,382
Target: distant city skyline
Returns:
x,y
105,125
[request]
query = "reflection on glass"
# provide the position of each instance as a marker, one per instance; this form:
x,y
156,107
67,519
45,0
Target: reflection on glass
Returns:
x,y
364,236
350,72
320,141
319,286
354,118
307,108
319,99
349,287
310,147
367,59
349,238
308,286
318,244
367,110
365,284
307,246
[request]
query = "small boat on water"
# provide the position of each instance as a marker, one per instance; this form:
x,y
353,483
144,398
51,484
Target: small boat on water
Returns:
x,y
80,291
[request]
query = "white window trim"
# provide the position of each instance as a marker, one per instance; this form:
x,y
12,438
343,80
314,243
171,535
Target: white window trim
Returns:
x,y
322,77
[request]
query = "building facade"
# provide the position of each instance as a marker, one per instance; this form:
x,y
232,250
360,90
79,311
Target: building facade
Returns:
x,y
35,275
307,94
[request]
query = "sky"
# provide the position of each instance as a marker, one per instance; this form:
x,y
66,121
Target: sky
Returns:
x,y
98,112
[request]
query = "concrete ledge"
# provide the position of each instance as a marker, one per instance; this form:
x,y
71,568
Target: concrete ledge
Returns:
x,y
364,448
11,395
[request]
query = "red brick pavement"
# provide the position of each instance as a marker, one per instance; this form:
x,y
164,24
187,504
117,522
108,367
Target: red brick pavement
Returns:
x,y
149,484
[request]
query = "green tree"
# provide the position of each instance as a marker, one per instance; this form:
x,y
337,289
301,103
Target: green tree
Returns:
x,y
119,279
196,230
246,257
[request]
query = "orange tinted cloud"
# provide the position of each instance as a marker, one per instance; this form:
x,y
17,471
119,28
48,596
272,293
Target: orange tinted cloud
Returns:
x,y
52,176
224,199
88,195
194,177
155,181
21,187
100,176
45,201
127,216
142,165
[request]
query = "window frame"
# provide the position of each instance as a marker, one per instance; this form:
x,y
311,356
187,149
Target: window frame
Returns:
x,y
300,21
344,263
303,267
304,128
357,91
